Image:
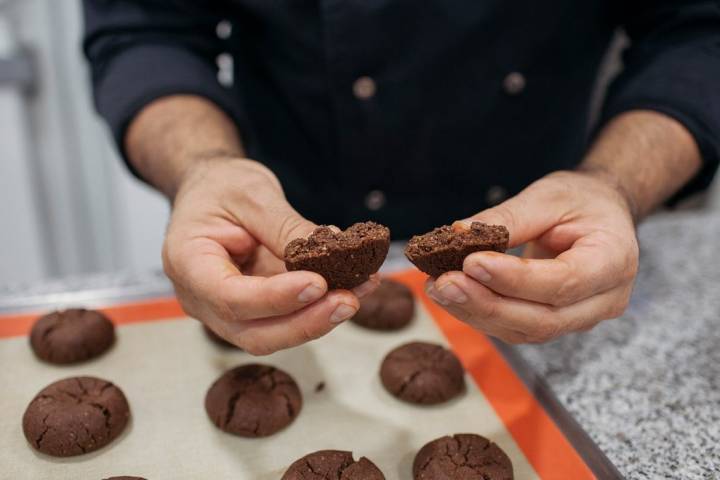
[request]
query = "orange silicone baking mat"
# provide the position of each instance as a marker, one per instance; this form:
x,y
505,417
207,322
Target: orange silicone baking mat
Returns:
x,y
164,364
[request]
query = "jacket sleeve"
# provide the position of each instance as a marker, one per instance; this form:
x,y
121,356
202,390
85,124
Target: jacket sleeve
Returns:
x,y
673,66
140,50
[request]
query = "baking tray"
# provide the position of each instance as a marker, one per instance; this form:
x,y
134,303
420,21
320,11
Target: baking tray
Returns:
x,y
164,364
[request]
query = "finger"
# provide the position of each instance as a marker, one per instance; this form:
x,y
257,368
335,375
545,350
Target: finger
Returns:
x,y
239,244
263,264
593,265
265,336
527,215
270,219
486,310
496,330
536,250
204,268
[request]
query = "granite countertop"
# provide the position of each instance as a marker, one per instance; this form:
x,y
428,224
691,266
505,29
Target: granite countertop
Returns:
x,y
646,387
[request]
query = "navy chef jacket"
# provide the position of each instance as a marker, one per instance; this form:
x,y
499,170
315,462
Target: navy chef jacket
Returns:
x,y
412,113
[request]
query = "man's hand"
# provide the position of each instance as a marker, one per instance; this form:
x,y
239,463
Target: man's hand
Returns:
x,y
223,251
577,269
581,253
230,223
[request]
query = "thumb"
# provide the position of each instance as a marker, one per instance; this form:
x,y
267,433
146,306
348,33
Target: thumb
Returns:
x,y
272,221
527,215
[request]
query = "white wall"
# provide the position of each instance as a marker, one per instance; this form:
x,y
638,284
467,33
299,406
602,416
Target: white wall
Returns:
x,y
88,213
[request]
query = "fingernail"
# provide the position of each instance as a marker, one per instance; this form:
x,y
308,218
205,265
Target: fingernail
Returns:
x,y
453,293
342,313
433,293
478,272
311,293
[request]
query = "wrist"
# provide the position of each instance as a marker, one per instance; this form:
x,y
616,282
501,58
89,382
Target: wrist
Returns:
x,y
196,165
171,135
611,179
219,168
646,156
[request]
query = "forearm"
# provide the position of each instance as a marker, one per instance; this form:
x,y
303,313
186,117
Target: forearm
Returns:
x,y
172,133
648,155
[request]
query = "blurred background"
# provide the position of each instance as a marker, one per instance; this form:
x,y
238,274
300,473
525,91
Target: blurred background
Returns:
x,y
67,204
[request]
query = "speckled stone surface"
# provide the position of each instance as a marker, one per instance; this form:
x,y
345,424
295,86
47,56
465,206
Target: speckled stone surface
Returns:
x,y
646,387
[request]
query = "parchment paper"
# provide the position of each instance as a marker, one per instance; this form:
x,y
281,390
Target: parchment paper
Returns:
x,y
165,369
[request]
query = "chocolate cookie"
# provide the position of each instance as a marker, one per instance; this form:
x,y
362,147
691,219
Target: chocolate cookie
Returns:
x,y
218,340
445,248
422,373
332,465
345,259
253,400
74,416
462,457
71,336
390,307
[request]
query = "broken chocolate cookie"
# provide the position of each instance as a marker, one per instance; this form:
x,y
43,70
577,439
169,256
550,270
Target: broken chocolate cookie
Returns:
x,y
445,248
345,259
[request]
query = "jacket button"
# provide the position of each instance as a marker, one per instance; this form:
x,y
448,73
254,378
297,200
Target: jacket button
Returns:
x,y
495,195
514,83
223,30
364,88
375,200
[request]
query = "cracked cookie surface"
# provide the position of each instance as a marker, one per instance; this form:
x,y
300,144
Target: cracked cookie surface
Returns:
x,y
422,373
390,307
345,259
463,456
75,415
332,465
71,336
253,400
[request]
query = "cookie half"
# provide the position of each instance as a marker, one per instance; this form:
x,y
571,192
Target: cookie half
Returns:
x,y
445,248
345,259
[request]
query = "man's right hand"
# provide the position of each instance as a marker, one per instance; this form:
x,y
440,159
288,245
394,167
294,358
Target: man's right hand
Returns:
x,y
223,252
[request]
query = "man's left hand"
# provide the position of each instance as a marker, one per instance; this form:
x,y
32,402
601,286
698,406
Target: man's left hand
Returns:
x,y
578,266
